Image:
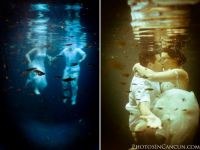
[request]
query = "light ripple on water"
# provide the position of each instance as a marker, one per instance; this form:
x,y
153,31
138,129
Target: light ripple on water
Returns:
x,y
160,24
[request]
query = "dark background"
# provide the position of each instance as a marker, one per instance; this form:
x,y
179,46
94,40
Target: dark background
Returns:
x,y
16,107
119,53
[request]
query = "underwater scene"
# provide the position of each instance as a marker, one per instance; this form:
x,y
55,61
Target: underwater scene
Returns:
x,y
150,74
49,75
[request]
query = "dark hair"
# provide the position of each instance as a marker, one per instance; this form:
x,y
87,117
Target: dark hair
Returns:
x,y
147,56
176,54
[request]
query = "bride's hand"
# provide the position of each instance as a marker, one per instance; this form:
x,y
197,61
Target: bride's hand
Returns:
x,y
142,71
135,67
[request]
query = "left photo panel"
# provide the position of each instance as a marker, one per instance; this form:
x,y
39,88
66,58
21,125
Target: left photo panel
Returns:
x,y
49,74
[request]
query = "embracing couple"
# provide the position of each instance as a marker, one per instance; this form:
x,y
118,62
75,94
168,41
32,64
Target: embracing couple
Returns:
x,y
158,93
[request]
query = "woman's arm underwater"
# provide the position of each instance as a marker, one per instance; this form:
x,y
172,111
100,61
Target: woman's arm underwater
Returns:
x,y
168,75
29,53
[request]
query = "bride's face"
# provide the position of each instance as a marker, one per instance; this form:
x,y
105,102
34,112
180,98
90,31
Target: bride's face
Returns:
x,y
168,62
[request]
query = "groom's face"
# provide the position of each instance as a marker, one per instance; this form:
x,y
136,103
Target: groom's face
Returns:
x,y
156,66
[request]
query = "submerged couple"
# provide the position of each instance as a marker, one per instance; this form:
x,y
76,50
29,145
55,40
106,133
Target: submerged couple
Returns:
x,y
158,78
73,57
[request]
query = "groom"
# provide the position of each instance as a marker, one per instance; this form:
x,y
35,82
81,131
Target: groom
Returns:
x,y
73,57
143,92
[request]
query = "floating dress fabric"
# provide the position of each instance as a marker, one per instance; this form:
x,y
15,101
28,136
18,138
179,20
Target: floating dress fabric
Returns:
x,y
179,112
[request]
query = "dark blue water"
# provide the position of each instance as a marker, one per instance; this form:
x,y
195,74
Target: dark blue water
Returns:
x,y
43,121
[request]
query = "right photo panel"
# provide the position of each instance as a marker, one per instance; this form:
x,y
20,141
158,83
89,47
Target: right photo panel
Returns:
x,y
149,74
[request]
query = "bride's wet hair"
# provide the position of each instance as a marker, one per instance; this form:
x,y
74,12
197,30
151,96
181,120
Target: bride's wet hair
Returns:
x,y
177,54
